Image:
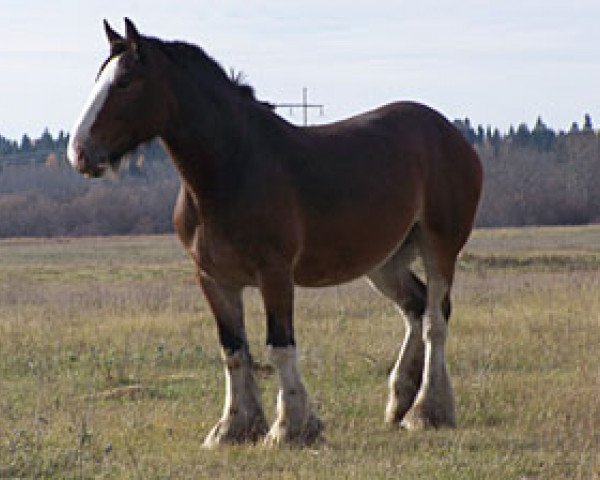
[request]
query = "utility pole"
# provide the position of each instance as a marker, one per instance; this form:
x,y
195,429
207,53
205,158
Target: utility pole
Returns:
x,y
304,106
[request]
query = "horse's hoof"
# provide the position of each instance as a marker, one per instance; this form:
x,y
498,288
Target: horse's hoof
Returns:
x,y
308,434
422,416
403,392
215,437
228,431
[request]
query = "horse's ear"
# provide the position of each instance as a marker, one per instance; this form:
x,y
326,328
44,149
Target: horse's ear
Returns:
x,y
117,42
131,33
113,37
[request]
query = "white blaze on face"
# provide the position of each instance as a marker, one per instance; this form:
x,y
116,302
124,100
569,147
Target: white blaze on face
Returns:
x,y
93,105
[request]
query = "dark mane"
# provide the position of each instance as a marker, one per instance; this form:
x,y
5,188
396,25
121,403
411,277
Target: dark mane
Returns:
x,y
239,80
192,57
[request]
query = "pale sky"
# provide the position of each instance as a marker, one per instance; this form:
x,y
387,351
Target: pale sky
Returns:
x,y
498,62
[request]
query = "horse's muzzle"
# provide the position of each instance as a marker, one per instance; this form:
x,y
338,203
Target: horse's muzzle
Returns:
x,y
87,161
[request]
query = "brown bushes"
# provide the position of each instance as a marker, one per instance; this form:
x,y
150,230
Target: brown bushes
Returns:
x,y
38,201
524,185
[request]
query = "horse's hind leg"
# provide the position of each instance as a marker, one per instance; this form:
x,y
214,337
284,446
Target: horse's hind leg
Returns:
x,y
395,280
434,405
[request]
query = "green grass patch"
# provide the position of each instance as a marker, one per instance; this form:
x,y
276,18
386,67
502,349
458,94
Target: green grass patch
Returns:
x,y
110,367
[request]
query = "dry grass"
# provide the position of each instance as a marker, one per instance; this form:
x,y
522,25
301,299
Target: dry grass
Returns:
x,y
109,366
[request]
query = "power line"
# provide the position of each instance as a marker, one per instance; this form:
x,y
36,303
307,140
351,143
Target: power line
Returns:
x,y
304,106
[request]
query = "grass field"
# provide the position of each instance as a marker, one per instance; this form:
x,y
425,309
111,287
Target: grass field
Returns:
x,y
110,368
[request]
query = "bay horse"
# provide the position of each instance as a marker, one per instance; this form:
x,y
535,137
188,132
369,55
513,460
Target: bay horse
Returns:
x,y
267,204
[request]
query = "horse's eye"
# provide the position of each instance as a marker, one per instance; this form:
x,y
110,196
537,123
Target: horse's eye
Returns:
x,y
123,82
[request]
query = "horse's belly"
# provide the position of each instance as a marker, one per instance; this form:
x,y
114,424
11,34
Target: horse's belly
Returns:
x,y
331,259
318,274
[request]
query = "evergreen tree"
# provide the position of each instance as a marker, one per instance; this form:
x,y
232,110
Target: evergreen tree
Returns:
x,y
26,145
480,134
542,136
496,138
45,142
464,126
7,146
523,135
574,128
62,140
587,123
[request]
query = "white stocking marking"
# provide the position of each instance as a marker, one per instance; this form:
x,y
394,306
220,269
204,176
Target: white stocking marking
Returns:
x,y
286,361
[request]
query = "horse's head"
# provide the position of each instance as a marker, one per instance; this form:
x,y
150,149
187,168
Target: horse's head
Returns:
x,y
127,106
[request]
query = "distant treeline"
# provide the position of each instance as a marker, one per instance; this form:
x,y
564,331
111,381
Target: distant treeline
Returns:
x,y
533,176
540,136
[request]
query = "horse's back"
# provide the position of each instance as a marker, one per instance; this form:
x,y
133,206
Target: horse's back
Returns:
x,y
400,145
404,144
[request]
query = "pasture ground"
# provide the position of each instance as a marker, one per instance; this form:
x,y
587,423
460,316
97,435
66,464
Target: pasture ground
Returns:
x,y
109,366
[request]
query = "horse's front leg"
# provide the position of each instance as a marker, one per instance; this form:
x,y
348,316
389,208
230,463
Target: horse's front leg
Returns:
x,y
243,418
296,421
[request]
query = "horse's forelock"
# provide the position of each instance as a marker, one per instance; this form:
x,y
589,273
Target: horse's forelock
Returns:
x,y
113,54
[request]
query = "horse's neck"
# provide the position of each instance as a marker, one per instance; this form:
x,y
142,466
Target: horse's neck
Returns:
x,y
208,142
